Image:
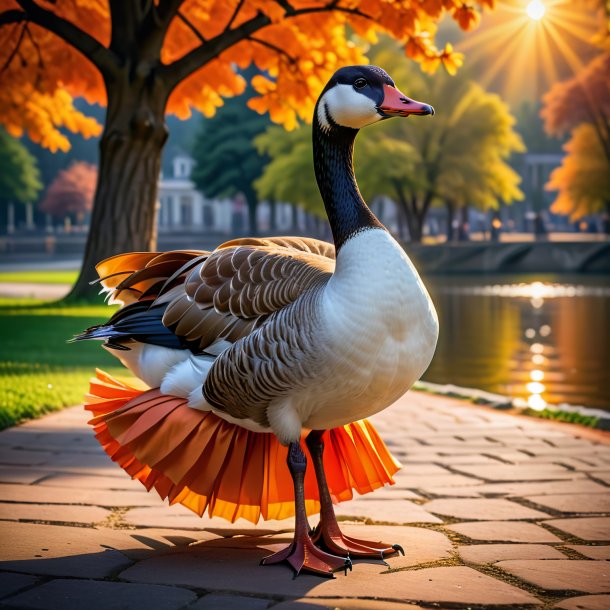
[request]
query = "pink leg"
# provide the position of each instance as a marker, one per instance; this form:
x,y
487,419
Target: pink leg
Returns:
x,y
327,534
301,553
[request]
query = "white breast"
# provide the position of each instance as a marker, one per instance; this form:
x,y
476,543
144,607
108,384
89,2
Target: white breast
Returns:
x,y
381,329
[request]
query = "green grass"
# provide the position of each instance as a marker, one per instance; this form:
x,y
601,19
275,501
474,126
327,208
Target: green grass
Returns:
x,y
572,417
38,277
39,371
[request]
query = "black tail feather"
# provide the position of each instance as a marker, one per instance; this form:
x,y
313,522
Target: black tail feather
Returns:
x,y
139,322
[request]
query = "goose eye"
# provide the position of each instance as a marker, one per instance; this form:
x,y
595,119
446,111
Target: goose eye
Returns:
x,y
360,83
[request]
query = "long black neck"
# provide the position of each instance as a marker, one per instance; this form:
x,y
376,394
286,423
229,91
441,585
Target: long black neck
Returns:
x,y
347,212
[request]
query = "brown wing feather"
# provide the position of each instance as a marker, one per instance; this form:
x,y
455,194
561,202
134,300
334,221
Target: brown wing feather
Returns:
x,y
241,283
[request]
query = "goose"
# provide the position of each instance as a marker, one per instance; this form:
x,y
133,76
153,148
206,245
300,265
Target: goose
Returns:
x,y
290,336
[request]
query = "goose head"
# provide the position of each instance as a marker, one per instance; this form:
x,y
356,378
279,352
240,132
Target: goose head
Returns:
x,y
357,96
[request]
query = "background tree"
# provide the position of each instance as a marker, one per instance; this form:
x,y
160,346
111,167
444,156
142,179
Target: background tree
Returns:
x,y
71,193
227,160
583,179
582,105
458,157
145,58
19,178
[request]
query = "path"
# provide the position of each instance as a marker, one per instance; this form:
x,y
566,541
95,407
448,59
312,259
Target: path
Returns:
x,y
21,290
493,510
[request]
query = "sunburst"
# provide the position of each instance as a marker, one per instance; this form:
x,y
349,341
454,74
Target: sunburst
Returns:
x,y
524,46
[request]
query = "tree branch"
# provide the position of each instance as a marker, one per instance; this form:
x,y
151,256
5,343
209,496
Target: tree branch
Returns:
x,y
273,47
93,50
12,16
234,15
14,52
201,55
167,9
191,26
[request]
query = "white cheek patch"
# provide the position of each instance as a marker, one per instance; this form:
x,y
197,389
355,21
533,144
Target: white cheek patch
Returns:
x,y
347,107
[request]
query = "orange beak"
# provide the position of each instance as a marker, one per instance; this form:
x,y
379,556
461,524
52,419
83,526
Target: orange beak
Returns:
x,y
396,103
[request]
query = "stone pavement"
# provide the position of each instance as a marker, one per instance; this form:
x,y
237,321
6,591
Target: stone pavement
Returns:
x,y
493,510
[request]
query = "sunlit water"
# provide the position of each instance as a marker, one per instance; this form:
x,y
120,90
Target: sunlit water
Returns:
x,y
542,341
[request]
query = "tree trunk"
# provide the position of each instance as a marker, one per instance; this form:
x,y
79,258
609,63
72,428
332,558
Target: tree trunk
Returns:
x,y
463,229
273,216
124,217
450,219
252,201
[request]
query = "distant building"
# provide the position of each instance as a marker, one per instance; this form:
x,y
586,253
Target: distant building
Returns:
x,y
183,208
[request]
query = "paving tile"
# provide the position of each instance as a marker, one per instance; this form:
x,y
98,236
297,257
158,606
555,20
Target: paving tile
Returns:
x,y
574,503
343,604
390,493
561,575
577,485
585,528
466,459
98,595
23,457
179,517
482,509
54,513
603,476
590,551
416,481
11,583
81,552
215,571
585,602
385,511
91,482
504,531
229,602
520,472
481,554
22,476
46,494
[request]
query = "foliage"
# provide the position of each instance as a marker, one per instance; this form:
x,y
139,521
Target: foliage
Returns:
x,y
582,105
227,161
72,191
148,58
583,179
39,371
200,43
19,176
585,98
458,155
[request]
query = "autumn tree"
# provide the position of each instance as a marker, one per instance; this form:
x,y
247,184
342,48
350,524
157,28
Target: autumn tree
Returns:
x,y
71,193
581,105
457,158
19,177
144,58
227,161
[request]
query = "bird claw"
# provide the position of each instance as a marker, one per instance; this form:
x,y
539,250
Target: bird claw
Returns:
x,y
334,541
302,554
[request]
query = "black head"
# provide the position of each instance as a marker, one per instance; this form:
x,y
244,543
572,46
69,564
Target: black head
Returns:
x,y
357,96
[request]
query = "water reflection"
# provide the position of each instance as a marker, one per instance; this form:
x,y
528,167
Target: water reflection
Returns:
x,y
543,342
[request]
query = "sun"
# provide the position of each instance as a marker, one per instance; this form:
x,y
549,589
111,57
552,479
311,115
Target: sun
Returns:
x,y
524,46
535,10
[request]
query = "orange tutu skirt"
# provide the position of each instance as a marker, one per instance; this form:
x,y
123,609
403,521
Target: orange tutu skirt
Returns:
x,y
199,460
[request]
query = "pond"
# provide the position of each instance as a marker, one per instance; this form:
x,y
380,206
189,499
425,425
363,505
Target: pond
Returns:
x,y
540,340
